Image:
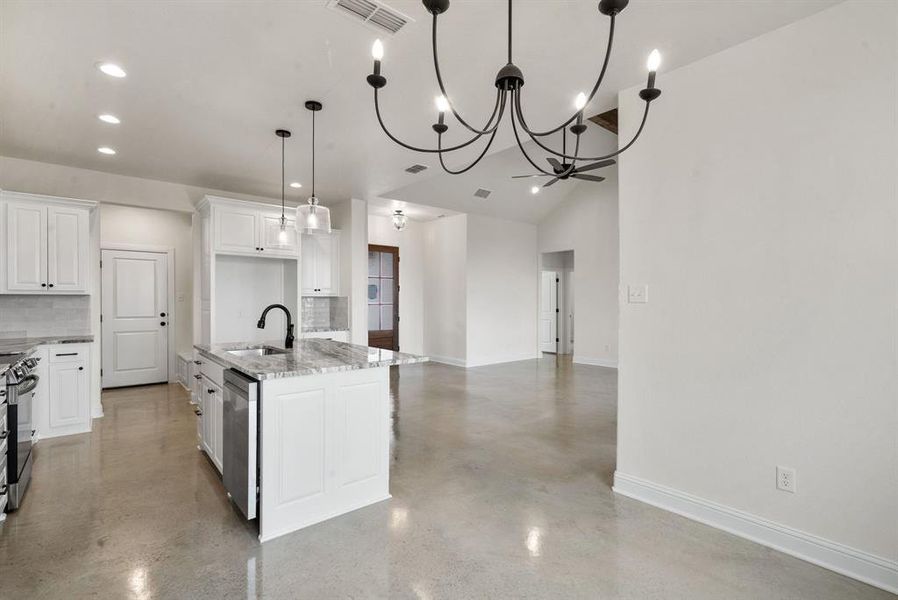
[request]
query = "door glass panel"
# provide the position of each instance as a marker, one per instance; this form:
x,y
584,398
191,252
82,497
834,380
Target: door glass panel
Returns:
x,y
386,317
374,317
386,264
374,264
373,290
386,291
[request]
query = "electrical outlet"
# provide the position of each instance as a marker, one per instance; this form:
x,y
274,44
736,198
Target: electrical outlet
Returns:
x,y
785,479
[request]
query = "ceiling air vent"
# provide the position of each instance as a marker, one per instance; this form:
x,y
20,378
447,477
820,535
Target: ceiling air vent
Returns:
x,y
415,169
375,15
482,193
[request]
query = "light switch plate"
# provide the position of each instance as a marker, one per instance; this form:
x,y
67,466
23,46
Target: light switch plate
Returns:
x,y
637,294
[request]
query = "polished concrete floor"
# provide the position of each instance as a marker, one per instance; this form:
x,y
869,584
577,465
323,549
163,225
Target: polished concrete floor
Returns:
x,y
501,489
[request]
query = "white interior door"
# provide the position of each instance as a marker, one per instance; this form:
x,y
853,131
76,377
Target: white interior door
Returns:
x,y
135,318
548,311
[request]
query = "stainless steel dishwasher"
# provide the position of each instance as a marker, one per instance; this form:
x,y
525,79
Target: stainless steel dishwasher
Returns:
x,y
240,420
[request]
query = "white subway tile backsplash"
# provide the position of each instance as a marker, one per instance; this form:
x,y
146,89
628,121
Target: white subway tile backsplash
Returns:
x,y
37,316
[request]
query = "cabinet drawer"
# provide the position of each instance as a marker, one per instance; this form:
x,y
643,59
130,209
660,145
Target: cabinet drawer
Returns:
x,y
212,370
68,353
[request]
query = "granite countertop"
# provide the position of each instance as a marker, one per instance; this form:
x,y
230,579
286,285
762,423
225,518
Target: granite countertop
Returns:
x,y
24,345
322,329
307,357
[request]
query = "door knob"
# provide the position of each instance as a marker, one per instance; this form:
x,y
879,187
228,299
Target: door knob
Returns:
x,y
162,314
162,323
210,391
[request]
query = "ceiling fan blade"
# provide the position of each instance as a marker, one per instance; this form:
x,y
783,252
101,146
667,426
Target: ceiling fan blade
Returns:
x,y
588,177
551,182
534,175
555,164
595,165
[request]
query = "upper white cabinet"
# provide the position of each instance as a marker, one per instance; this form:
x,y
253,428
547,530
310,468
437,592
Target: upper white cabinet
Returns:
x,y
320,264
241,229
47,245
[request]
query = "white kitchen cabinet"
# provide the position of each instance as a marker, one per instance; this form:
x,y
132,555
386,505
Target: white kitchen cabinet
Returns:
x,y
213,430
320,256
68,390
47,245
241,229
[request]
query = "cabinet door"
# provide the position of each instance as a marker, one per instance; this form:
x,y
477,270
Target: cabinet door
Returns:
x,y
236,230
69,411
272,241
218,455
68,249
208,395
309,264
26,247
325,264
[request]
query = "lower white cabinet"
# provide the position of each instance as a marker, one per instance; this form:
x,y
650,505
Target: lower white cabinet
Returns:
x,y
62,402
212,408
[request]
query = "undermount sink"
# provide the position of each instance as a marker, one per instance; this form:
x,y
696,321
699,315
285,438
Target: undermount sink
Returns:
x,y
262,351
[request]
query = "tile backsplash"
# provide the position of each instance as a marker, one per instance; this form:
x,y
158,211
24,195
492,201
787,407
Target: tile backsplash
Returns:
x,y
36,316
324,313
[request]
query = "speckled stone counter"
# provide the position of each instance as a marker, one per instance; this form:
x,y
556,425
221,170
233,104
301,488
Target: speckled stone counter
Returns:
x,y
19,345
307,357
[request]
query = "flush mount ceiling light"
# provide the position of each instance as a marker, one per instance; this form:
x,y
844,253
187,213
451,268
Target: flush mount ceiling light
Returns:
x,y
399,220
106,150
283,236
534,189
296,185
509,82
311,217
112,69
111,119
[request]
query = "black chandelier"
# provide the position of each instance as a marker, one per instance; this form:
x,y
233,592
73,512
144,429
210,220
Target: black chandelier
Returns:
x,y
509,81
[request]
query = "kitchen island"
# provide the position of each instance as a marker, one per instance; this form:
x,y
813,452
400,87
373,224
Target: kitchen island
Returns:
x,y
321,425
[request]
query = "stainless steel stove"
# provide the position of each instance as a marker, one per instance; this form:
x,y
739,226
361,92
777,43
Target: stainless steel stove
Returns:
x,y
16,401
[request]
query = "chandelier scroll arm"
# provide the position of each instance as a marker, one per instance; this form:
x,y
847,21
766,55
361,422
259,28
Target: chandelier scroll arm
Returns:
x,y
517,138
470,166
517,110
589,98
427,150
489,127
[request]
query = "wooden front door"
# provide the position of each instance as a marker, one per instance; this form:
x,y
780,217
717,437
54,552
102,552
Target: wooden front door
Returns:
x,y
383,297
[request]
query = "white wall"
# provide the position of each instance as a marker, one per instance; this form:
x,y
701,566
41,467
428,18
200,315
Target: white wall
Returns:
x,y
760,209
351,218
22,175
410,242
445,289
502,294
587,223
166,228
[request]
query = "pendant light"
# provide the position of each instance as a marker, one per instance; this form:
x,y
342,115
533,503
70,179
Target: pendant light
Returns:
x,y
283,235
399,220
312,217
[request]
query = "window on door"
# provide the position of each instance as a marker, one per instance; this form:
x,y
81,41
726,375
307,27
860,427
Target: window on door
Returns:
x,y
383,297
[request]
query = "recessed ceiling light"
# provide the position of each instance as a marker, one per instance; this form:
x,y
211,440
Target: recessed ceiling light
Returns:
x,y
112,69
110,119
296,184
534,189
105,150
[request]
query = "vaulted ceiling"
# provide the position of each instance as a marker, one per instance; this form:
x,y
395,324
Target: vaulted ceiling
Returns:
x,y
209,82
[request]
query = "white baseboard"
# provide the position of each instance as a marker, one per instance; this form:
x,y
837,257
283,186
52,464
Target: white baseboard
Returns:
x,y
446,360
467,364
857,564
596,362
482,362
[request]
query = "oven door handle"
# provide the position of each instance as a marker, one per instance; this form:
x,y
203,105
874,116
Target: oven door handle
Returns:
x,y
28,383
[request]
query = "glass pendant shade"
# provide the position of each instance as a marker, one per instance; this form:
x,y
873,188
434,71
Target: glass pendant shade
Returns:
x,y
399,220
313,218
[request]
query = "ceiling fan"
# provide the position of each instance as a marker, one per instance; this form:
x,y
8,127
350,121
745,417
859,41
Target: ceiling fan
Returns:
x,y
564,171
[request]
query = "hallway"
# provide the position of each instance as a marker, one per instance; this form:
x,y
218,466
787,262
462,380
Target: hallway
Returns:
x,y
501,488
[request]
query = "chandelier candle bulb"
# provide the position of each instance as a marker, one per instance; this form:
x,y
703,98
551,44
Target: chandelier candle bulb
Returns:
x,y
652,65
377,52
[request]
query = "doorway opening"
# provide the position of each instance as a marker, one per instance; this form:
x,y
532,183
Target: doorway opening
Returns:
x,y
556,302
383,297
136,319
